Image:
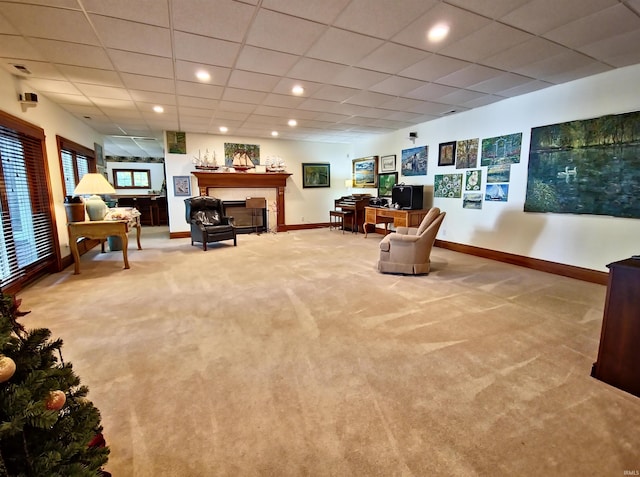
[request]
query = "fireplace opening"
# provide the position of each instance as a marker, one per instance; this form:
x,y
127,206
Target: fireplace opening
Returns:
x,y
248,215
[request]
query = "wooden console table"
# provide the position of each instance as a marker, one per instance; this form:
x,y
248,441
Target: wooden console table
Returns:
x,y
618,361
401,217
100,230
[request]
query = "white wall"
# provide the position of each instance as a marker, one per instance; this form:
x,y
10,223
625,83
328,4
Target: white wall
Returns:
x,y
55,121
580,240
301,205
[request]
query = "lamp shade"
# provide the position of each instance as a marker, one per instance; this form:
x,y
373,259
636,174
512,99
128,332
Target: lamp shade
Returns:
x,y
94,184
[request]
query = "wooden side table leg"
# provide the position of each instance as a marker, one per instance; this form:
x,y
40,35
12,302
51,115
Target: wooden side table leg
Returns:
x,y
73,245
138,236
125,245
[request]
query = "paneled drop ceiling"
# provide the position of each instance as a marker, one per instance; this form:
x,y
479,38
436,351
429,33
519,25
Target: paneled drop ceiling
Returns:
x,y
366,66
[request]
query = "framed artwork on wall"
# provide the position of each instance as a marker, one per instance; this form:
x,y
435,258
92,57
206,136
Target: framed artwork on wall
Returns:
x,y
365,172
414,161
447,154
388,163
181,186
386,181
316,175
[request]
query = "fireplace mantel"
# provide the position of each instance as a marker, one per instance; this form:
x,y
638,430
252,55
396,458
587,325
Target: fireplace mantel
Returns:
x,y
247,180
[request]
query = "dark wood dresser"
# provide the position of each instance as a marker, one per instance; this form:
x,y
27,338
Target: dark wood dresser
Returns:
x,y
618,361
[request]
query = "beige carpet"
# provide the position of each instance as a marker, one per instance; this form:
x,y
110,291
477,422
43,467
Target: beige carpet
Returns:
x,y
289,355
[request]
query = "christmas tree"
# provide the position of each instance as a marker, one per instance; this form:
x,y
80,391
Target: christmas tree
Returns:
x,y
47,426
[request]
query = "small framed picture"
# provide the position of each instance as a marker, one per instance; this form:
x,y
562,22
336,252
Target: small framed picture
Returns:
x,y
388,163
447,154
181,186
316,175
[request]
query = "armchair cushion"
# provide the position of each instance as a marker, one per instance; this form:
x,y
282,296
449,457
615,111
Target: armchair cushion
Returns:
x,y
207,217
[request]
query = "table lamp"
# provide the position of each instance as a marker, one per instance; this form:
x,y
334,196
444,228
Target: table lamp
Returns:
x,y
93,184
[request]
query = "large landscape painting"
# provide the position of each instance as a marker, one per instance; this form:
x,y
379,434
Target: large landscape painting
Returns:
x,y
586,167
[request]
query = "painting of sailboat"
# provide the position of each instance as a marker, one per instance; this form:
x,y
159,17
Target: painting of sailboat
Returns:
x,y
241,156
497,192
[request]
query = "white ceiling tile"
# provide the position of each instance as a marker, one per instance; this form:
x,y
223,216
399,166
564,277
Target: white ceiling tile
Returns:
x,y
401,104
197,102
38,69
285,85
131,36
472,74
253,81
485,42
500,83
404,116
315,70
77,74
282,100
71,100
396,86
478,102
224,19
236,107
284,33
186,71
265,61
461,23
161,99
567,61
313,104
489,8
334,93
98,91
53,86
51,23
137,63
435,109
580,71
358,78
529,87
430,92
153,12
372,17
17,47
369,98
392,58
433,67
117,107
201,49
230,115
595,27
461,96
619,51
243,95
541,16
62,52
531,51
341,46
199,90
322,12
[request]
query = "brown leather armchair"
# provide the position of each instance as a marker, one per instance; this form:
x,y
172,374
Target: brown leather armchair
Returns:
x,y
408,249
207,222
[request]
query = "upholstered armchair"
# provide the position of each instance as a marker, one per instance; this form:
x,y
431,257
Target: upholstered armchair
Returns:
x,y
407,250
207,222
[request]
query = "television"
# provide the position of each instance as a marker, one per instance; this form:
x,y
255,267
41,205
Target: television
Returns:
x,y
407,196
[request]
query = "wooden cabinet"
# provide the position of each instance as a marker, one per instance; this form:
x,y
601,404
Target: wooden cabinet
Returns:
x,y
618,361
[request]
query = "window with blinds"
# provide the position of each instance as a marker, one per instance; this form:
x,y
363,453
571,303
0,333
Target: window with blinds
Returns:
x,y
75,162
27,242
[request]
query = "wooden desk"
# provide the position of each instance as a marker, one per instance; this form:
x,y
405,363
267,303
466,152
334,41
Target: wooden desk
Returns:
x,y
401,217
100,230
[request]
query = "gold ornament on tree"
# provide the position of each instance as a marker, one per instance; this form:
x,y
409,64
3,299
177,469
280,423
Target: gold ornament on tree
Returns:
x,y
56,400
7,368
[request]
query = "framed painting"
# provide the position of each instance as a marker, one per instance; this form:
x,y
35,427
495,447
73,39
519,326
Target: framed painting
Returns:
x,y
365,172
316,175
388,163
386,181
447,154
177,142
181,186
414,161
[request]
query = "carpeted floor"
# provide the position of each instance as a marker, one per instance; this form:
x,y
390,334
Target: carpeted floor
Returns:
x,y
290,355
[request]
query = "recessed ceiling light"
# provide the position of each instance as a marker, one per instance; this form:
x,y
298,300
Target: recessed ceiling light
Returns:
x,y
438,33
274,133
292,122
223,129
203,75
297,90
158,109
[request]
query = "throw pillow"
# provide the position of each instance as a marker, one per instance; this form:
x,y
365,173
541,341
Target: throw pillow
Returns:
x,y
207,217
